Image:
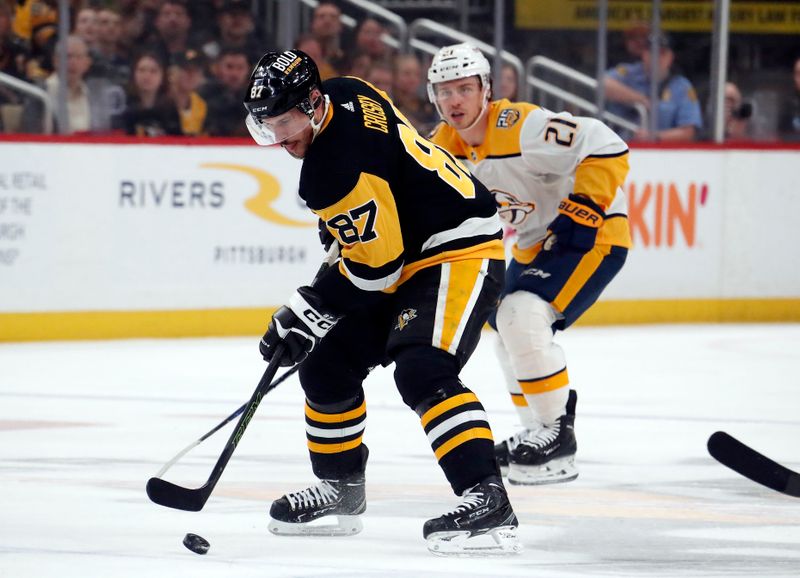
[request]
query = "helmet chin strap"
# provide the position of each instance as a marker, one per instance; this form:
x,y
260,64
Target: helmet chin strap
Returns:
x,y
315,127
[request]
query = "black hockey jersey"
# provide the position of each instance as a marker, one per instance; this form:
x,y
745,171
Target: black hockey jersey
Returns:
x,y
396,202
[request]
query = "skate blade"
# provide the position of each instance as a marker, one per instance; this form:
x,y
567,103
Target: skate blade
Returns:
x,y
501,541
553,472
325,526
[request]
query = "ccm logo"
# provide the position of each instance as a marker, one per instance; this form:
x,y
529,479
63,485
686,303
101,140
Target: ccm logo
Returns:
x,y
318,320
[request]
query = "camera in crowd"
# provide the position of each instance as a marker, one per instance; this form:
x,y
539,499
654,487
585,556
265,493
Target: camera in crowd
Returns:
x,y
743,111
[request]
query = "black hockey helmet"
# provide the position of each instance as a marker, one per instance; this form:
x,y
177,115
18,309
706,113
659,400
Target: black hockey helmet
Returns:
x,y
281,81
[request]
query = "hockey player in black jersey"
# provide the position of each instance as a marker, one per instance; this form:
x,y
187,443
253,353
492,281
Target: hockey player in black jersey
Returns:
x,y
421,268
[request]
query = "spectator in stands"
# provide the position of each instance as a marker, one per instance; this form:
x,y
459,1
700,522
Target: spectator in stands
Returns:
x,y
406,93
326,27
86,27
225,93
237,28
36,22
367,38
509,83
678,115
311,46
13,56
381,76
182,78
635,39
360,65
89,107
196,68
13,53
151,112
736,114
172,27
789,126
204,19
108,61
136,21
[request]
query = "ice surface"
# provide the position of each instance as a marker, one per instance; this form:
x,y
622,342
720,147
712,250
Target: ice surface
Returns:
x,y
84,425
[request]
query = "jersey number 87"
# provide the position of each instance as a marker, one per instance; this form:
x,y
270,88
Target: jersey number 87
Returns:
x,y
431,157
346,224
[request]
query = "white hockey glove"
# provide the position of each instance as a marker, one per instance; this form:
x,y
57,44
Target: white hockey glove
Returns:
x,y
299,326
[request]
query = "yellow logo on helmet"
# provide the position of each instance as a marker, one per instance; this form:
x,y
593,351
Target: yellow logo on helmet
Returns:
x,y
286,62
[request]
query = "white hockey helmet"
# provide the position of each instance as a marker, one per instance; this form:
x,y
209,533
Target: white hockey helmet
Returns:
x,y
458,61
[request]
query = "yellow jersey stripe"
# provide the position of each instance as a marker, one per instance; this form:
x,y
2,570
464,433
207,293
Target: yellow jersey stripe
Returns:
x,y
545,384
615,231
336,417
599,178
334,448
526,256
461,286
585,269
518,399
489,250
469,435
446,405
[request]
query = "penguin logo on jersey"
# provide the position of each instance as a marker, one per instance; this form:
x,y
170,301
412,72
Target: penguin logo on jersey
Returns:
x,y
511,209
508,117
405,317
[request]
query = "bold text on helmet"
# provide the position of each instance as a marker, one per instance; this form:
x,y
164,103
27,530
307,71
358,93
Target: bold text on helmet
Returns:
x,y
286,62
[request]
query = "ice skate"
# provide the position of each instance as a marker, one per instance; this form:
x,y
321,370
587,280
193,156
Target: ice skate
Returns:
x,y
547,456
329,508
504,448
483,524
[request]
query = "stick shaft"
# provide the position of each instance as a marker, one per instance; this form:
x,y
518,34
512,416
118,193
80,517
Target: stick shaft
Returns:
x,y
173,496
218,427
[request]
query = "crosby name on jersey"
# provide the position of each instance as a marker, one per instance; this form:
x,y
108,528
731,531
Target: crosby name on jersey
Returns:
x,y
537,159
385,237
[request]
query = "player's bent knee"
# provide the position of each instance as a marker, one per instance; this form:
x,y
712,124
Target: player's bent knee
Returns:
x,y
421,371
525,319
326,381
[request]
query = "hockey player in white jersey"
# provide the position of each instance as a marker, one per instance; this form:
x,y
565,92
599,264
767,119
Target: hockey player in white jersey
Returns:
x,y
557,181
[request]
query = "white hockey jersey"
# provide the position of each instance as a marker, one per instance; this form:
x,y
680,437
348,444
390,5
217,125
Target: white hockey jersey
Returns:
x,y
532,158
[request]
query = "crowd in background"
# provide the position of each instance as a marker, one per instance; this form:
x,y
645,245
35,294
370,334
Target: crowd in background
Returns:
x,y
173,67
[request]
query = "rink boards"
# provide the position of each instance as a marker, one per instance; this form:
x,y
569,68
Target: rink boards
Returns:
x,y
120,239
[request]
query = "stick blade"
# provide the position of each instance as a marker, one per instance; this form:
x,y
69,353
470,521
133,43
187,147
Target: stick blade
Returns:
x,y
747,462
169,495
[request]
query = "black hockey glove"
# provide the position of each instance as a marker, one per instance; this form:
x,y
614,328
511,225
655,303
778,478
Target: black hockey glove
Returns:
x,y
299,326
575,227
325,236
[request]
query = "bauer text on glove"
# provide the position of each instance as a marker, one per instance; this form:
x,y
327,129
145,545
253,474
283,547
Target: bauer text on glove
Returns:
x,y
576,225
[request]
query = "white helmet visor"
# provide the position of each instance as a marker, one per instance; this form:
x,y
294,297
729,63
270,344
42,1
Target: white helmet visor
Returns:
x,y
276,130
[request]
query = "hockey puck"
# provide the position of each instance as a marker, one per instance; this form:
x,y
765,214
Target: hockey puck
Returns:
x,y
196,544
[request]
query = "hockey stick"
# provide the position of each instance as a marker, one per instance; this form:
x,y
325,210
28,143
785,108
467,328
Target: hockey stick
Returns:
x,y
171,495
219,426
744,460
